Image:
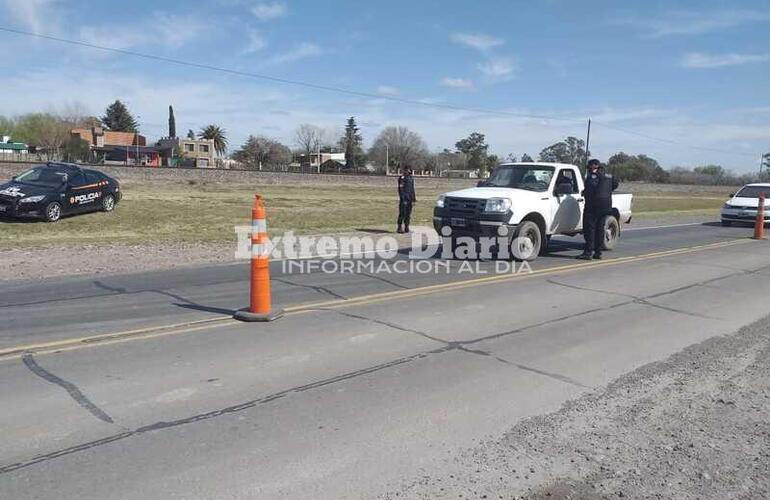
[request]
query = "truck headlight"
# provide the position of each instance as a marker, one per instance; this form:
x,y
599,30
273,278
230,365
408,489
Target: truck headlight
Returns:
x,y
32,199
497,205
440,201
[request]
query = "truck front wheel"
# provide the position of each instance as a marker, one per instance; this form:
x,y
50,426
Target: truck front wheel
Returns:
x,y
527,242
611,228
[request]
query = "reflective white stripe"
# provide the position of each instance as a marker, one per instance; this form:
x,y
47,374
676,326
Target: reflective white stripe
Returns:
x,y
490,223
259,226
259,250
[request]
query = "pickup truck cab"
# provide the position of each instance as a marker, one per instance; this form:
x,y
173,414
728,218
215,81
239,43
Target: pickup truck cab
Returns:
x,y
533,201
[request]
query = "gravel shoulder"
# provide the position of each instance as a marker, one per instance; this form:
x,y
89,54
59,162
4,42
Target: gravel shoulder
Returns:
x,y
693,426
36,263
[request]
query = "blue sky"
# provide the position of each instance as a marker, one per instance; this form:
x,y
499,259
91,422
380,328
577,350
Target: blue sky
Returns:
x,y
695,73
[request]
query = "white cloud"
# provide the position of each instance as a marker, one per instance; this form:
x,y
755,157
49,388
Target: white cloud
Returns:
x,y
170,30
32,14
388,91
498,68
477,41
269,10
301,51
246,107
256,43
696,22
700,60
456,83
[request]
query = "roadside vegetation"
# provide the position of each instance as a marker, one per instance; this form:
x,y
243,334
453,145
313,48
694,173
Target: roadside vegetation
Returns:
x,y
208,212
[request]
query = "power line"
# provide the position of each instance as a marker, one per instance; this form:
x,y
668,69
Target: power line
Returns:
x,y
672,142
286,81
356,93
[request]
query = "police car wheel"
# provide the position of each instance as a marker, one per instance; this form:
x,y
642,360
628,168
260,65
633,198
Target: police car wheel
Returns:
x,y
108,203
611,229
53,212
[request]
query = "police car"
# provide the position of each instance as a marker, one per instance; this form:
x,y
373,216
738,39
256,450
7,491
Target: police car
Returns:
x,y
54,190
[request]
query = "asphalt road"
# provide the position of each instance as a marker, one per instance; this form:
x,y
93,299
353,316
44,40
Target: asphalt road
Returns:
x,y
351,397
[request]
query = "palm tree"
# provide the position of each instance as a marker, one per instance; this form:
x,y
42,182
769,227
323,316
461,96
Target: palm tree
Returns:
x,y
217,134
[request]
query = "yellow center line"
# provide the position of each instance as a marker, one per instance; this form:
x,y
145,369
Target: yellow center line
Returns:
x,y
191,326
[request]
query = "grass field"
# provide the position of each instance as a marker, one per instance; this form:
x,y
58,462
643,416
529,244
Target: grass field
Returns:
x,y
208,213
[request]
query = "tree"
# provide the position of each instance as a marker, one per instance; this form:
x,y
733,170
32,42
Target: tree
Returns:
x,y
512,158
76,149
525,158
401,147
351,144
259,151
492,162
636,168
191,134
6,126
171,122
571,151
715,171
44,130
475,147
308,139
218,135
119,119
766,161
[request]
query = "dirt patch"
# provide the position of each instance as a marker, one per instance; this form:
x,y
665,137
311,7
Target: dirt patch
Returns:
x,y
693,426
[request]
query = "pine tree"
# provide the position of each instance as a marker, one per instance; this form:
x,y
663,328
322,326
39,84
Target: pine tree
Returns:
x,y
351,142
191,134
119,119
171,122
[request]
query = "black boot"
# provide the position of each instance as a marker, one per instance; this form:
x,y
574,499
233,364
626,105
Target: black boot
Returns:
x,y
399,230
584,256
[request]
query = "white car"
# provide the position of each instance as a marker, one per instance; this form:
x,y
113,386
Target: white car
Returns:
x,y
742,206
532,200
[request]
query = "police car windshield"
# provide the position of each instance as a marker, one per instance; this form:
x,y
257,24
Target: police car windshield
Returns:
x,y
753,191
532,178
42,176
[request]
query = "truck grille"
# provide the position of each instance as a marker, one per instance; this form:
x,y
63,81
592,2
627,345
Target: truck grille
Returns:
x,y
464,207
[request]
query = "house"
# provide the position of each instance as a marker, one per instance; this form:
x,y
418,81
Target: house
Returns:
x,y
177,151
145,156
119,148
97,137
9,147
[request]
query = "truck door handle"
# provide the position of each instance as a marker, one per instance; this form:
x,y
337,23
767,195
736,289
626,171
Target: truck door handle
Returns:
x,y
581,200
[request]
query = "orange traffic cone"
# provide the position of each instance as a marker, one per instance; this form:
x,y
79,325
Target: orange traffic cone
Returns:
x,y
759,223
260,307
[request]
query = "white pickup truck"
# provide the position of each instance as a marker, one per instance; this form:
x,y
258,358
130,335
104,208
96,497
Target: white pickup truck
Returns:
x,y
532,200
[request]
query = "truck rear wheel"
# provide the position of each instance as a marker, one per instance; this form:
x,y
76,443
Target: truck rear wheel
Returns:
x,y
527,242
611,228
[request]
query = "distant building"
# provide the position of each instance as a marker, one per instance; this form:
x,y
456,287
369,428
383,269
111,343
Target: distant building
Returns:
x,y
119,148
7,146
198,153
97,137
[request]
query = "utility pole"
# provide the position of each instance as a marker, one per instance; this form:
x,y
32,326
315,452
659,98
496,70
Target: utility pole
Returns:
x,y
387,164
588,142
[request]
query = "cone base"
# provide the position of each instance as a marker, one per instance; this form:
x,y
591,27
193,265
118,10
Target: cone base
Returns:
x,y
248,316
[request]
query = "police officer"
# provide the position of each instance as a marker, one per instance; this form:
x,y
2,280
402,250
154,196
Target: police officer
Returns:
x,y
598,203
406,199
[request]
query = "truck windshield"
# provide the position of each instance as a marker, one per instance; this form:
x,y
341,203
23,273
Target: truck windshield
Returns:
x,y
532,178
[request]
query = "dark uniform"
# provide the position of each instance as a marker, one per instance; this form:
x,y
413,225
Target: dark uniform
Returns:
x,y
406,199
598,195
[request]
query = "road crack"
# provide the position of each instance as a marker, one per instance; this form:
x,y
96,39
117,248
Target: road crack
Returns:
x,y
72,389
